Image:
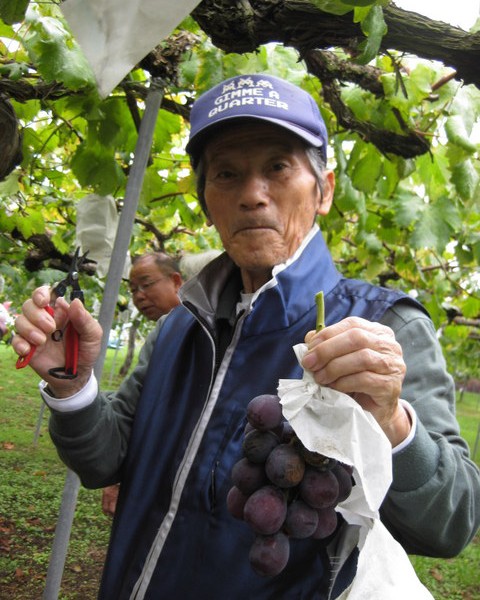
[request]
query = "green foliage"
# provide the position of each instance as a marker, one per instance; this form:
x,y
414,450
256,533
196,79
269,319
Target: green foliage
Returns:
x,y
409,223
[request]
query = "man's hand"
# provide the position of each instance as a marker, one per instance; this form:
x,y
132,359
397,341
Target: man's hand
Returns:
x,y
35,327
362,359
109,499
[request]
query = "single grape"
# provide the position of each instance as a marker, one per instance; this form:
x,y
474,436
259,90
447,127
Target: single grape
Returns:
x,y
318,488
345,483
236,502
265,412
269,554
301,520
327,523
248,476
285,466
265,510
288,434
257,445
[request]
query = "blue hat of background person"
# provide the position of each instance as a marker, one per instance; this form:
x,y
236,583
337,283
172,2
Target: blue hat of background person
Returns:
x,y
261,97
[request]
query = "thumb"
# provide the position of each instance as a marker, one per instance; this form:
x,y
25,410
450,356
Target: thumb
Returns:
x,y
88,329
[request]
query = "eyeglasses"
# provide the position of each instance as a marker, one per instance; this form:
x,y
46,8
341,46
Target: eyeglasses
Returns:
x,y
144,287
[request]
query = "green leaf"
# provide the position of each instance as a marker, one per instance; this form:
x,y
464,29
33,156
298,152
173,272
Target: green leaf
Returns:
x,y
421,79
374,27
14,70
347,198
55,53
457,133
407,207
433,229
33,223
13,11
471,307
367,171
465,178
9,186
97,169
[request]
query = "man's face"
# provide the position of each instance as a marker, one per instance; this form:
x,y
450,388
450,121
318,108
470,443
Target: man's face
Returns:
x,y
154,292
261,195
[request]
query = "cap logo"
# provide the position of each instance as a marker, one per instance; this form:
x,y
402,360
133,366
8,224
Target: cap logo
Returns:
x,y
258,96
246,91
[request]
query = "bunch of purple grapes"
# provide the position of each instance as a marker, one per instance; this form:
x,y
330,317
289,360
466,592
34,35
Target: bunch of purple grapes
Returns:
x,y
281,489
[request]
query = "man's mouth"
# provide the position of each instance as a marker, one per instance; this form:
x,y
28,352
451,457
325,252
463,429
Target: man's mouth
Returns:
x,y
247,227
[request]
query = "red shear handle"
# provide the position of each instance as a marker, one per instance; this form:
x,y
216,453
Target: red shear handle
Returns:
x,y
23,361
69,371
71,350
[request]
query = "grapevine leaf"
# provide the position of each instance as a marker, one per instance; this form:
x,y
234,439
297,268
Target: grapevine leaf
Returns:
x,y
374,27
457,133
434,228
366,172
465,178
9,186
14,70
13,11
471,307
96,168
33,223
408,208
56,55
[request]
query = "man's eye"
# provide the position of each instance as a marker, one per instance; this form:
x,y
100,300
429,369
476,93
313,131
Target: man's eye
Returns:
x,y
279,166
225,174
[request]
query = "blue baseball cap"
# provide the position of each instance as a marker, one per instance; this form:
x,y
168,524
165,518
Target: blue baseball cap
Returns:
x,y
261,97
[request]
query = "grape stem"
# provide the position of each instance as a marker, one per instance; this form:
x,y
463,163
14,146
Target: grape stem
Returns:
x,y
320,311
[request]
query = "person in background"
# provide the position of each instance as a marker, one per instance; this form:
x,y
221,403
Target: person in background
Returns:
x,y
174,429
154,282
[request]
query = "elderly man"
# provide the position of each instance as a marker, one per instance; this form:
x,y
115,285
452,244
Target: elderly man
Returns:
x,y
174,429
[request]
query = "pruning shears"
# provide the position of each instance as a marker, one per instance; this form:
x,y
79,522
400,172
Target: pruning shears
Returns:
x,y
69,333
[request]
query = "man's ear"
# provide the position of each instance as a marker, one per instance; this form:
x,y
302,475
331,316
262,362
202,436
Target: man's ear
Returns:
x,y
327,196
177,280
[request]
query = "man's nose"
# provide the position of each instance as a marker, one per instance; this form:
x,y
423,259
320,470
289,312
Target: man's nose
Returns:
x,y
255,191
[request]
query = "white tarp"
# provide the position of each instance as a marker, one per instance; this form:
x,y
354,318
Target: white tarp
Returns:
x,y
115,35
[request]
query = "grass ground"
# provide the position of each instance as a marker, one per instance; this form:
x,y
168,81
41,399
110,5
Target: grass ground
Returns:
x,y
31,487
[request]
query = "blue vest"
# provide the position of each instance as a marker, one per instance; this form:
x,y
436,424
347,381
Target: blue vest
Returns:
x,y
205,555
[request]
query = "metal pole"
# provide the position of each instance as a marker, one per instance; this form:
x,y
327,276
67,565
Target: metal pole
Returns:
x,y
105,318
39,424
127,216
62,536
